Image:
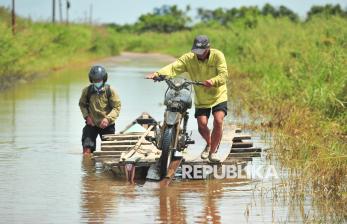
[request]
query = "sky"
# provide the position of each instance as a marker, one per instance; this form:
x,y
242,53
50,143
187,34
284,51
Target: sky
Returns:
x,y
128,11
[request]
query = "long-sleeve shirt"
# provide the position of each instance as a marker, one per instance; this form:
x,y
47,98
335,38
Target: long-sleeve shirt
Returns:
x,y
214,68
100,106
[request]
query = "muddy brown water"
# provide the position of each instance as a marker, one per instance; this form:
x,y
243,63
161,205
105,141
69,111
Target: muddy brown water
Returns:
x,y
45,179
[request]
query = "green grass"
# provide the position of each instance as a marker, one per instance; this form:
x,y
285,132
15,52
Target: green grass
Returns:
x,y
38,48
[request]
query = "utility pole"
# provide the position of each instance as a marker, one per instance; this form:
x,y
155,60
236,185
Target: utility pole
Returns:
x,y
53,11
90,14
13,18
60,12
67,11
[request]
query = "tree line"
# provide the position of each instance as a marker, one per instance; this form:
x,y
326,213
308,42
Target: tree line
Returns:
x,y
167,19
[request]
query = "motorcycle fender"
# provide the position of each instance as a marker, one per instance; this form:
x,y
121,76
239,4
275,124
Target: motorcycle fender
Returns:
x,y
172,118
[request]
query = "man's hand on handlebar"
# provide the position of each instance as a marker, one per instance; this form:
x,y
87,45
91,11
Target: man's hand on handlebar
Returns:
x,y
151,75
155,77
159,78
208,83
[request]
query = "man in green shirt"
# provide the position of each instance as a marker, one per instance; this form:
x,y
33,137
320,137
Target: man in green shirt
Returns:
x,y
207,65
100,107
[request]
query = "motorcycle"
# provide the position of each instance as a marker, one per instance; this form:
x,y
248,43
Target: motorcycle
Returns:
x,y
173,135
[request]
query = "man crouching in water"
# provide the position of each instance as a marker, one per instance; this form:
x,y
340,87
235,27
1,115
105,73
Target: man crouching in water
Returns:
x,y
100,107
206,65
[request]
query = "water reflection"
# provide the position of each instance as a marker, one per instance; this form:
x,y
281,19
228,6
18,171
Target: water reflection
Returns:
x,y
211,196
171,209
97,193
190,202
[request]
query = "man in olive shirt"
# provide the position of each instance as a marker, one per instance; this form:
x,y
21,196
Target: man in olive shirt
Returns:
x,y
207,65
100,107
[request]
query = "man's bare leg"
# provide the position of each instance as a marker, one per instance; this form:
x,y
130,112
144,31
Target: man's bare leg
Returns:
x,y
203,129
217,131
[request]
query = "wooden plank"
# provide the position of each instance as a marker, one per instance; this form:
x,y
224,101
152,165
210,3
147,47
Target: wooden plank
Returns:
x,y
129,135
241,150
242,145
134,159
122,142
247,154
105,161
134,136
239,138
171,172
107,153
120,137
201,162
116,147
107,156
228,160
111,162
236,161
232,161
115,143
129,143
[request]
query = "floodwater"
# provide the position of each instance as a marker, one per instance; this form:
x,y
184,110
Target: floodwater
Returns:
x,y
45,179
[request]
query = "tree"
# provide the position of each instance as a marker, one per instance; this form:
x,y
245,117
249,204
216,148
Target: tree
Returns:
x,y
326,11
285,12
269,10
164,19
249,15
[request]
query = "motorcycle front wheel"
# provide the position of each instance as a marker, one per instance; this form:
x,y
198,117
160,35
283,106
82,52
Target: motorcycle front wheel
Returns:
x,y
166,150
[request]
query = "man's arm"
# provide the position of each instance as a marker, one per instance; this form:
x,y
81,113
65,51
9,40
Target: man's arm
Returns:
x,y
222,71
173,69
84,107
83,103
116,107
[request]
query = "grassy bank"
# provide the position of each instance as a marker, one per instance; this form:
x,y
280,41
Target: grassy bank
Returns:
x,y
38,48
294,73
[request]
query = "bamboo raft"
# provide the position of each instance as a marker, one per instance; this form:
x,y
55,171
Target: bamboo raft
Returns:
x,y
131,154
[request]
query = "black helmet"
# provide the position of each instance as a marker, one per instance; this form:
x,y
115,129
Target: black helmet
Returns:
x,y
97,72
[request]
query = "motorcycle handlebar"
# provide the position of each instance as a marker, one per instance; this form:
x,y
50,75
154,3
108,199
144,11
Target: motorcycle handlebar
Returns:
x,y
196,83
160,78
